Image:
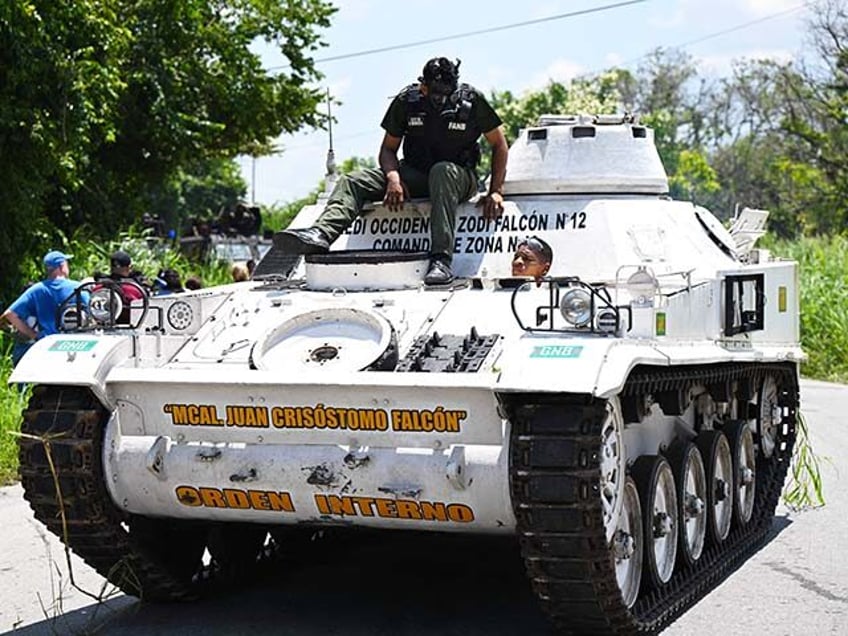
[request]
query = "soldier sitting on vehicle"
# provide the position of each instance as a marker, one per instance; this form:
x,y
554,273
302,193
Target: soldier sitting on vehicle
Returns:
x,y
439,121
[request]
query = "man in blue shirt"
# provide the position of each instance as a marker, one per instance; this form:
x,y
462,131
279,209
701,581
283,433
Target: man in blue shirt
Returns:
x,y
41,302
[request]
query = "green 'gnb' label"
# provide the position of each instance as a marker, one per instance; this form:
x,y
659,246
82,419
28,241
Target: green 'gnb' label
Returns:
x,y
556,351
73,345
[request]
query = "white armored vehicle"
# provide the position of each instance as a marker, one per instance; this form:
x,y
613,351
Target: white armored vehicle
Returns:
x,y
629,416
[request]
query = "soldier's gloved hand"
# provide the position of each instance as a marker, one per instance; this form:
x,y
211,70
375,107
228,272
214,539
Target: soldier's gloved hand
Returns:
x,y
492,205
394,195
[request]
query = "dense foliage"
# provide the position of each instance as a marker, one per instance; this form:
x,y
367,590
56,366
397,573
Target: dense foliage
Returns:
x,y
824,303
770,135
12,401
107,106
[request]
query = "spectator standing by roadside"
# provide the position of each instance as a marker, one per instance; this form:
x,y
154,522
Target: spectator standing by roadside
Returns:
x,y
41,302
21,343
168,282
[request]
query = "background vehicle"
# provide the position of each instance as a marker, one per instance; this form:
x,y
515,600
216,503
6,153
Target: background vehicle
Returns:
x,y
235,236
630,417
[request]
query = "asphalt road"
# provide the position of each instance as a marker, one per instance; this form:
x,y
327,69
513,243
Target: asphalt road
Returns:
x,y
405,584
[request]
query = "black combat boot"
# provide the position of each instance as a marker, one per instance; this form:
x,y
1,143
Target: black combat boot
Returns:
x,y
307,241
439,273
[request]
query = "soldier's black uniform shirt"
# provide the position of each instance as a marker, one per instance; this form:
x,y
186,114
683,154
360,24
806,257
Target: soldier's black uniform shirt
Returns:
x,y
430,135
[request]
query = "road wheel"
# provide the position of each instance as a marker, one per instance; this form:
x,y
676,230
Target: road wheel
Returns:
x,y
768,416
718,464
744,471
691,482
627,543
613,465
655,481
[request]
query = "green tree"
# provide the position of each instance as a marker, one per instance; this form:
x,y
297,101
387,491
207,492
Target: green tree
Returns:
x,y
667,94
663,92
596,94
104,101
199,189
817,117
695,179
59,85
777,139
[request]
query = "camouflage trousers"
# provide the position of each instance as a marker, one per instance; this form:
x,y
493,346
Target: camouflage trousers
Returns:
x,y
447,185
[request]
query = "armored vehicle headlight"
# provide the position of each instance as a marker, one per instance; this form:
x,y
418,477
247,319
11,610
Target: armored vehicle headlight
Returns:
x,y
576,307
105,305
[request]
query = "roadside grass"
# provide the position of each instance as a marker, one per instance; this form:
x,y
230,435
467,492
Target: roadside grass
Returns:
x,y
824,317
823,265
12,402
804,487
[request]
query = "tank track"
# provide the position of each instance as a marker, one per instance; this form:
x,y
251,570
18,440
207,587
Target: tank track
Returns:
x,y
554,481
76,506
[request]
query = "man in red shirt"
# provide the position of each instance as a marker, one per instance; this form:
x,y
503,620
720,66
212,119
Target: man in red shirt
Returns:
x,y
131,283
120,264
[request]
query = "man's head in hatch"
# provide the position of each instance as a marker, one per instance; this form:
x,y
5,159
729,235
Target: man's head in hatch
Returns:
x,y
532,258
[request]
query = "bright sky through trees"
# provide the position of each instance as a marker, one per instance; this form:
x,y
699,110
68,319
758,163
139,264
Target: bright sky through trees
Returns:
x,y
516,59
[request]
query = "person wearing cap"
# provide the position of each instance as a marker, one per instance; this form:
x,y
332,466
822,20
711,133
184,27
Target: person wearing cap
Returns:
x,y
120,269
131,284
439,122
40,302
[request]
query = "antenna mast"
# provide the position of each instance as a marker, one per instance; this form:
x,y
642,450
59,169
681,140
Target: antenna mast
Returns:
x,y
331,157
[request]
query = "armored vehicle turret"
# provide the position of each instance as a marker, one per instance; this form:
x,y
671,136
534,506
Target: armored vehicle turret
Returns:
x,y
626,410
